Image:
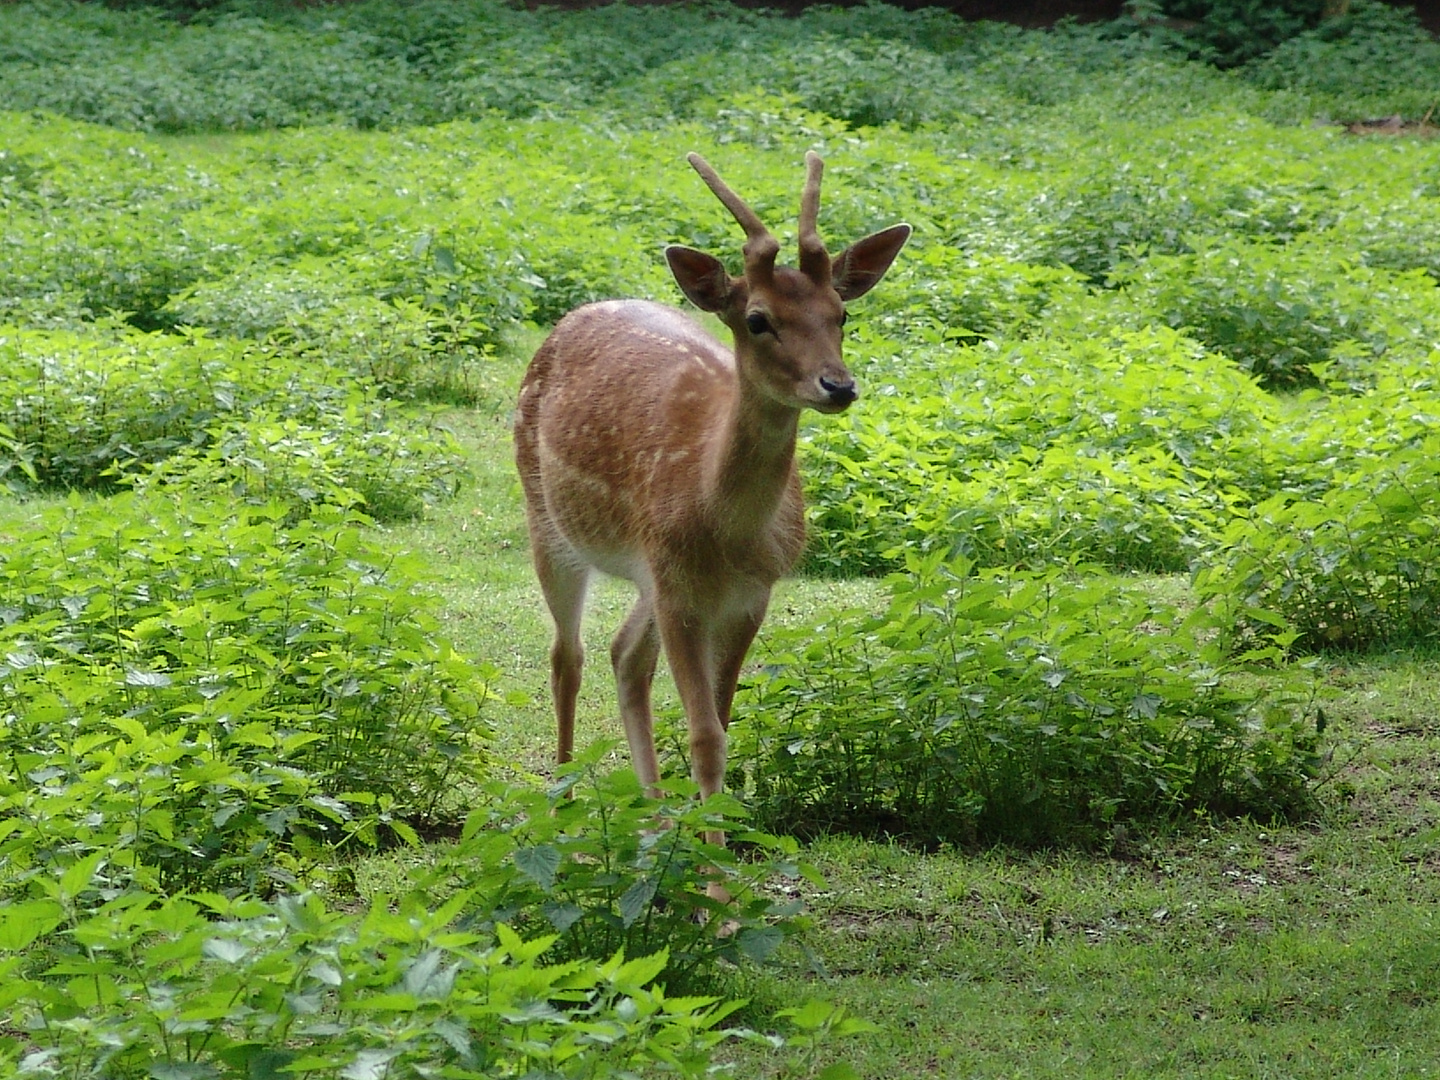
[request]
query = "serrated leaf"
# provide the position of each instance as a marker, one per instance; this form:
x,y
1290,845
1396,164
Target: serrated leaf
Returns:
x,y
78,876
259,1062
539,863
225,950
427,978
635,900
22,924
563,916
370,1065
758,943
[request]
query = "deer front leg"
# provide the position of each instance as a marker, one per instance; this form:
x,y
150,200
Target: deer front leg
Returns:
x,y
689,649
732,643
687,639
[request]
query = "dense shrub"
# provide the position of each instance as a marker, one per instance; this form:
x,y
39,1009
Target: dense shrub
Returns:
x,y
596,862
264,423
193,691
1376,60
1283,312
1024,708
1352,569
384,64
1230,32
237,989
500,954
1346,551
1127,450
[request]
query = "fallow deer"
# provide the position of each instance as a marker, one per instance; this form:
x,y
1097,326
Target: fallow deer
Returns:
x,y
649,451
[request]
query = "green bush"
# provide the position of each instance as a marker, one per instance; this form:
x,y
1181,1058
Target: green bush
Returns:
x,y
1376,60
1350,566
1029,708
262,422
350,454
1283,312
199,694
596,862
238,989
1229,32
385,64
82,402
500,955
1127,450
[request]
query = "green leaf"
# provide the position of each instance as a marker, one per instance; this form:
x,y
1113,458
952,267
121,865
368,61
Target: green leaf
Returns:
x,y
539,863
24,923
758,943
226,950
635,900
79,875
257,1061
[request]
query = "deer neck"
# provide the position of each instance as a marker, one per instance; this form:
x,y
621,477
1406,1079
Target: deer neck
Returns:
x,y
753,460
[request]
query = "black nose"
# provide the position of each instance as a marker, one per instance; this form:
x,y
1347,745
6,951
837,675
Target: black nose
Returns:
x,y
841,393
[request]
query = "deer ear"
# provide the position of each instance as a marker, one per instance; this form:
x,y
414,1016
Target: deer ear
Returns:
x,y
702,277
857,269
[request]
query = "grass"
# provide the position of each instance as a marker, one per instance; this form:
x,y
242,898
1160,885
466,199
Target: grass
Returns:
x,y
1225,949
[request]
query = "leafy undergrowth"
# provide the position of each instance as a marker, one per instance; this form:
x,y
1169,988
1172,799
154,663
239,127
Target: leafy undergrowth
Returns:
x,y
504,954
1033,709
1213,351
1242,948
197,695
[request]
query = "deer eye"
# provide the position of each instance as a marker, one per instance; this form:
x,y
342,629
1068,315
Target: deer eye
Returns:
x,y
758,324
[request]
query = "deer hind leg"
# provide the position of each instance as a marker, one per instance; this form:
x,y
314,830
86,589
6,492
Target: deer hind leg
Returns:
x,y
564,584
633,654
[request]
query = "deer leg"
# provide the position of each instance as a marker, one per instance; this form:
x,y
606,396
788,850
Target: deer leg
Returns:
x,y
633,654
564,585
731,645
689,649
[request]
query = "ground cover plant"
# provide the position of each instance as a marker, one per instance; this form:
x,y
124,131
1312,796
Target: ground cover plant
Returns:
x,y
273,800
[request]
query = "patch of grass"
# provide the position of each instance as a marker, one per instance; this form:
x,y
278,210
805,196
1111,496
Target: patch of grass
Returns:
x,y
1230,951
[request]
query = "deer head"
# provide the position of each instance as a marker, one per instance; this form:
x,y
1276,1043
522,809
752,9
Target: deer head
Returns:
x,y
787,322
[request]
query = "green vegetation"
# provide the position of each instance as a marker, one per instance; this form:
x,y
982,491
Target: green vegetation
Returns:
x,y
272,724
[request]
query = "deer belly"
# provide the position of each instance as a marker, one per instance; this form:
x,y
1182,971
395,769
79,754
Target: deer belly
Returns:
x,y
598,524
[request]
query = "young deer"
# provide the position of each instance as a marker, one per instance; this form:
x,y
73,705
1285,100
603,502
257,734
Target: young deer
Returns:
x,y
649,451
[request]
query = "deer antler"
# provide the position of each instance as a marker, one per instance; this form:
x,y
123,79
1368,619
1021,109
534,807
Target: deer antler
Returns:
x,y
761,248
814,259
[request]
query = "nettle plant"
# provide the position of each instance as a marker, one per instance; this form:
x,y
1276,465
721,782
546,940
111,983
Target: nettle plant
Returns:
x,y
1343,554
1286,314
501,955
204,694
240,989
596,861
349,452
1128,450
1030,708
263,422
1352,566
